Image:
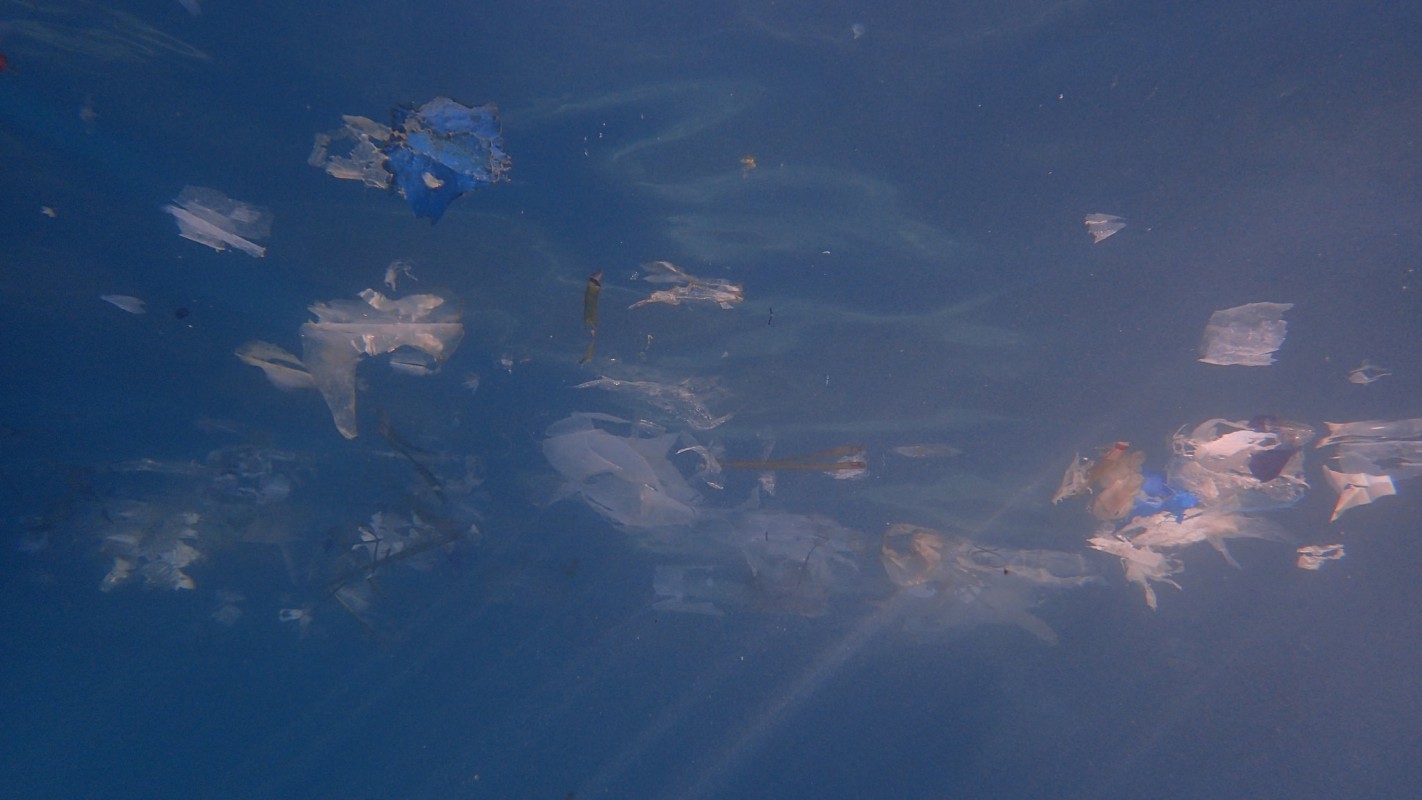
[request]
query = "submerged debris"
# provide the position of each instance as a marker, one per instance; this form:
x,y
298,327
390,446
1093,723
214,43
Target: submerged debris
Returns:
x,y
1103,226
209,217
132,305
431,155
345,331
1246,335
687,288
1367,373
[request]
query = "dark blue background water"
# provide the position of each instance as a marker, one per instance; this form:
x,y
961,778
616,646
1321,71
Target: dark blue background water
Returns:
x,y
914,220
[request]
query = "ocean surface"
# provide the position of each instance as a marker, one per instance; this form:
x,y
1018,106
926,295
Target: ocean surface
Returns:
x,y
798,538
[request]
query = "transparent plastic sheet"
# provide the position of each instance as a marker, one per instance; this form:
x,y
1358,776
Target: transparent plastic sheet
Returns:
x,y
687,589
133,305
1370,457
1167,532
796,560
1374,430
345,331
283,369
685,401
1246,335
628,479
950,581
1103,226
1144,566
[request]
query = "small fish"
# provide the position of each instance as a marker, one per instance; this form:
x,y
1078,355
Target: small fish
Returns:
x,y
132,305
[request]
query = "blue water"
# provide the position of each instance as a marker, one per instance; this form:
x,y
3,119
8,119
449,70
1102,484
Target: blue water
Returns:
x,y
915,269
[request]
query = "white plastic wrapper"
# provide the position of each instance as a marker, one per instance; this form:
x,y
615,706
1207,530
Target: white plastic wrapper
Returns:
x,y
1245,336
209,217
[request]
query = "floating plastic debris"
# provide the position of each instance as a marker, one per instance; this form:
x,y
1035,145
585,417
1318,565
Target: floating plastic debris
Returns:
x,y
1241,466
693,590
1246,335
950,581
1373,430
1166,531
1117,474
432,154
1076,480
1367,373
1143,565
395,270
209,217
796,560
132,305
353,153
1357,489
926,451
686,400
687,288
1371,457
347,330
151,541
283,369
628,479
1314,556
1103,226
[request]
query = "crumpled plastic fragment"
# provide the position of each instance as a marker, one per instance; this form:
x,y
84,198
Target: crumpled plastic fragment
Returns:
x,y
1357,489
1103,226
209,217
687,288
1117,474
354,153
1144,566
1370,458
431,154
1165,531
1241,465
950,581
151,541
1314,556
